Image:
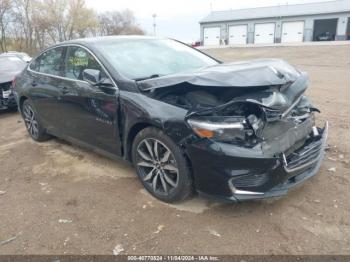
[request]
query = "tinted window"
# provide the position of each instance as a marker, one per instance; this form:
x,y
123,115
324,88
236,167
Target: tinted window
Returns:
x,y
50,62
79,59
141,58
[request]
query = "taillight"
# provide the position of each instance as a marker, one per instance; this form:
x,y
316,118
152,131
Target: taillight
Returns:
x,y
13,82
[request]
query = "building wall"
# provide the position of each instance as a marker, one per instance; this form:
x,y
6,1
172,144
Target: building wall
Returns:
x,y
308,26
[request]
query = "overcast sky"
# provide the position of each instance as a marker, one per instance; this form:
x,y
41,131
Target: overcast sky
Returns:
x,y
179,18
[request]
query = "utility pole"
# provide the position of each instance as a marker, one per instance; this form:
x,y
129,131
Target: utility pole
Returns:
x,y
154,24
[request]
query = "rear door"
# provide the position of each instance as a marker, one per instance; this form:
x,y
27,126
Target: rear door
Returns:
x,y
238,34
45,78
89,112
264,33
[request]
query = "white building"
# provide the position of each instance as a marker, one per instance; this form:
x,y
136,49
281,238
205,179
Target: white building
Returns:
x,y
275,24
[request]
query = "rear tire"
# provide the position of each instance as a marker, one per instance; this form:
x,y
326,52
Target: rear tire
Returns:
x,y
36,131
161,166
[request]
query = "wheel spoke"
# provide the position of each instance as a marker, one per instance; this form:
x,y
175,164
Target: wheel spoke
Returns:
x,y
149,175
149,148
26,113
169,180
170,167
144,156
35,127
31,129
155,147
154,182
165,157
146,164
165,187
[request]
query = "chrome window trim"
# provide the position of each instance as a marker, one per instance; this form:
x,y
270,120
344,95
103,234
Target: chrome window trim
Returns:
x,y
66,78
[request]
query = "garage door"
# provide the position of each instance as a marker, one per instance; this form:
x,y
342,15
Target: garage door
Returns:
x,y
292,32
212,36
264,33
238,35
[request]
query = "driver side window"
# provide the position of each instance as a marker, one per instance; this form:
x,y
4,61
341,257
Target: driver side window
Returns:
x,y
79,59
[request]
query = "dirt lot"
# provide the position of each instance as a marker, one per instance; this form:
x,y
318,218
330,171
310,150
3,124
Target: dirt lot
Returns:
x,y
59,199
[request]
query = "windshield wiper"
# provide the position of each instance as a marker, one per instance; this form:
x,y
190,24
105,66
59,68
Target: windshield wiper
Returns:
x,y
148,77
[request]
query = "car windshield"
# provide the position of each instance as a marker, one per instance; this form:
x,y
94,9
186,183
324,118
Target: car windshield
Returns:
x,y
11,63
146,58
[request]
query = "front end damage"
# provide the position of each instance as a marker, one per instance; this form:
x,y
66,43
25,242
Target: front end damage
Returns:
x,y
7,99
249,141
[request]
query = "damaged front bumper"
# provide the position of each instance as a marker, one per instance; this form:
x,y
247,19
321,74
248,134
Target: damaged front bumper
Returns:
x,y
7,102
233,173
7,99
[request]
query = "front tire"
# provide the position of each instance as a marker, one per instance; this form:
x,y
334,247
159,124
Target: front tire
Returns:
x,y
161,166
36,131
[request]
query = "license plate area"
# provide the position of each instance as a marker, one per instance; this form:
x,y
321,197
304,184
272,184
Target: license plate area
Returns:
x,y
6,93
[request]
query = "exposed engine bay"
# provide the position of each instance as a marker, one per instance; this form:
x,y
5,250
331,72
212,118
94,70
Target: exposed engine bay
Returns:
x,y
273,118
255,104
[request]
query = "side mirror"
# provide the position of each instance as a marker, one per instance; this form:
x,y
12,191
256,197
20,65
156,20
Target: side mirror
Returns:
x,y
92,76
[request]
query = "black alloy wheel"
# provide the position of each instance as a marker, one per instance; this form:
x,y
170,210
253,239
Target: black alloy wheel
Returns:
x,y
161,166
34,128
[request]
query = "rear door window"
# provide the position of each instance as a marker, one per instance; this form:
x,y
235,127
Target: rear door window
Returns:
x,y
79,59
50,62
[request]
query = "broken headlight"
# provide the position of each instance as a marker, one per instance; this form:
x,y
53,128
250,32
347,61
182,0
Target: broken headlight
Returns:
x,y
222,129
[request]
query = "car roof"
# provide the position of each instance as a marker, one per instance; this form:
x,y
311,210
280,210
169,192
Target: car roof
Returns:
x,y
90,41
110,38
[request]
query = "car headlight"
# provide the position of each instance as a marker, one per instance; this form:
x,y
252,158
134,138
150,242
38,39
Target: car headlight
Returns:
x,y
221,129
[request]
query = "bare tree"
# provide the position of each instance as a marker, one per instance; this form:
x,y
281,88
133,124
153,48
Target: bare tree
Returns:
x,y
5,10
82,20
119,23
30,25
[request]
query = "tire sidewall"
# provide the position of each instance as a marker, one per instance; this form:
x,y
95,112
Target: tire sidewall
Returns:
x,y
42,135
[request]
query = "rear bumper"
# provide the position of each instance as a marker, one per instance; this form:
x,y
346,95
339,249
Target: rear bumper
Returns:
x,y
232,173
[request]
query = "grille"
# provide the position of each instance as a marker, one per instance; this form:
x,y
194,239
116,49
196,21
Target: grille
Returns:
x,y
304,155
248,181
5,86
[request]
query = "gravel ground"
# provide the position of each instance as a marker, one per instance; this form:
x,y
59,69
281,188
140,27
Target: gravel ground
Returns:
x,y
56,198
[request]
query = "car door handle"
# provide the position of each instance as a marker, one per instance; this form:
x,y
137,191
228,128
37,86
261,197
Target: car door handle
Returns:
x,y
65,90
34,83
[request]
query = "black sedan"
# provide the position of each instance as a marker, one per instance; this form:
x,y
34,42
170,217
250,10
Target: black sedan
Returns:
x,y
10,66
185,120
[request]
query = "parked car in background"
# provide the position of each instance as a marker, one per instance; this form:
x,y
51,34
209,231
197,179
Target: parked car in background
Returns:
x,y
10,66
25,57
196,44
326,36
237,131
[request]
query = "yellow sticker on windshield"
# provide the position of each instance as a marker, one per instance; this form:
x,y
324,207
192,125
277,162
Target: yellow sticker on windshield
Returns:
x,y
79,61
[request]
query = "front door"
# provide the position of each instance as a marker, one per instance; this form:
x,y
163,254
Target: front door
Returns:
x,y
90,112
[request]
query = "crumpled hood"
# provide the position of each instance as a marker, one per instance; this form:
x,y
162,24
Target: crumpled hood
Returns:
x,y
8,75
261,72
